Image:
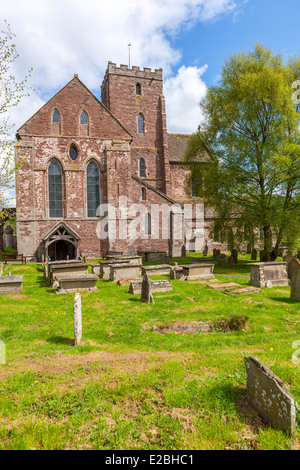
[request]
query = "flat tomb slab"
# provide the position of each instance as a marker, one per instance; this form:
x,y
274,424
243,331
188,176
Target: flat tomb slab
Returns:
x,y
225,285
204,327
74,283
11,284
163,285
124,271
244,290
131,259
198,271
156,270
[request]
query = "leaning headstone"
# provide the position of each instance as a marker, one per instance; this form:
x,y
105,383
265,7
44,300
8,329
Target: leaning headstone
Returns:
x,y
269,396
254,255
146,289
77,319
230,262
234,253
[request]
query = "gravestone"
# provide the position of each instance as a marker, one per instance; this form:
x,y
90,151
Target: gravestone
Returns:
x,y
216,253
254,255
77,319
264,256
146,295
205,249
45,271
292,266
267,394
249,248
234,253
221,259
230,262
295,284
1,269
183,251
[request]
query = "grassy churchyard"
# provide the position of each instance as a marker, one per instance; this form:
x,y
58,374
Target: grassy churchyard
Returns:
x,y
129,387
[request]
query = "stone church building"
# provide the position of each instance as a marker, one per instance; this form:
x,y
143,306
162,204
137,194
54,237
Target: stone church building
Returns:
x,y
80,153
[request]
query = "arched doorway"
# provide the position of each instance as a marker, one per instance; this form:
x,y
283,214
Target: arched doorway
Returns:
x,y
61,250
61,243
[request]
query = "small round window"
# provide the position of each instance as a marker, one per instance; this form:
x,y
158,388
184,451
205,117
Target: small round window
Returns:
x,y
73,152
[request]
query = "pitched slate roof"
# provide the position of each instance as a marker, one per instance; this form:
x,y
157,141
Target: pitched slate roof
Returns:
x,y
177,144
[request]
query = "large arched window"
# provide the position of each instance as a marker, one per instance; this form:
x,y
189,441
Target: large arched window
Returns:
x,y
55,190
84,119
140,124
142,168
93,189
56,116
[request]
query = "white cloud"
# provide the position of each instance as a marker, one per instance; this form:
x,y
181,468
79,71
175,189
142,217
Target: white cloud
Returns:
x,y
60,38
183,93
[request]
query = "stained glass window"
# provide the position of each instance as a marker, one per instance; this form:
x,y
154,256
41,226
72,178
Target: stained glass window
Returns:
x,y
140,124
142,168
56,116
84,118
93,190
55,190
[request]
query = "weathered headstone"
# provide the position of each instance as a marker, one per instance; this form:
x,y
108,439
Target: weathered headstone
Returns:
x,y
221,259
234,253
45,271
183,251
146,289
77,319
295,284
264,256
254,255
268,395
216,253
292,266
205,249
230,262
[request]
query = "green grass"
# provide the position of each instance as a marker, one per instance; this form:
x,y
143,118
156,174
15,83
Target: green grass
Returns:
x,y
128,387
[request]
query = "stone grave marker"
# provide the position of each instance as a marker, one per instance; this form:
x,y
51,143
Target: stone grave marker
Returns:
x,y
292,266
254,255
234,253
146,295
295,285
269,396
221,259
77,319
230,262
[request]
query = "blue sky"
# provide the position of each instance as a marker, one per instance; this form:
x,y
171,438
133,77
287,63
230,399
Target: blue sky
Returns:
x,y
274,23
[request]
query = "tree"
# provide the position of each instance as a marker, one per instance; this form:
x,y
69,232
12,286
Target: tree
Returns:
x,y
251,137
11,93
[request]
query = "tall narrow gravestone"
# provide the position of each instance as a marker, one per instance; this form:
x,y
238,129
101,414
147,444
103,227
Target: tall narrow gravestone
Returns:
x,y
77,319
146,295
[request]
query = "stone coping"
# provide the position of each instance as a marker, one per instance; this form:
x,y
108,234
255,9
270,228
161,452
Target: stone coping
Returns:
x,y
268,263
76,277
10,279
